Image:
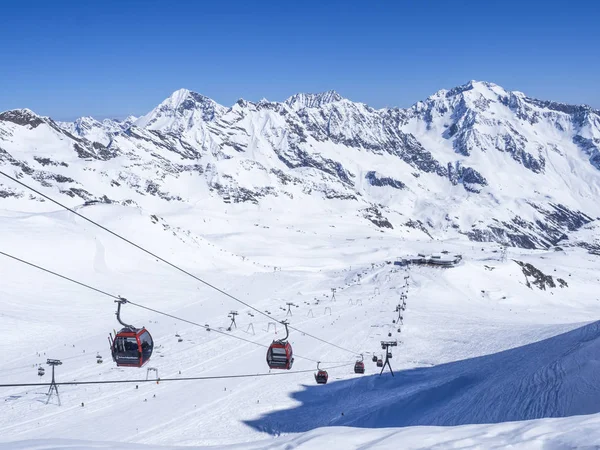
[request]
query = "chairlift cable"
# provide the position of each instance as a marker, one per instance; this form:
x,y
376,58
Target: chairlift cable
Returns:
x,y
160,380
116,297
139,247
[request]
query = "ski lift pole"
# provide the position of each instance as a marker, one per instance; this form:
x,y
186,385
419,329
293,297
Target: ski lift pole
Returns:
x,y
385,345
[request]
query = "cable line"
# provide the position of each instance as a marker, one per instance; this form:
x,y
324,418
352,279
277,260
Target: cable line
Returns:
x,y
214,377
211,329
139,247
116,297
136,245
322,340
60,276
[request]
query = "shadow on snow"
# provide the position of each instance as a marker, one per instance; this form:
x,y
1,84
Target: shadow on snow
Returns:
x,y
556,377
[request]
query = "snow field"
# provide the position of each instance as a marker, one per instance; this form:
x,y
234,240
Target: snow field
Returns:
x,y
448,319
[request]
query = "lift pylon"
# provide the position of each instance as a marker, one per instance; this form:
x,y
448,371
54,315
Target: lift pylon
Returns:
x,y
53,387
385,345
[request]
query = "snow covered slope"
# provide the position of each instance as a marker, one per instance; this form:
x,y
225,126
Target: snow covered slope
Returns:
x,y
569,433
469,334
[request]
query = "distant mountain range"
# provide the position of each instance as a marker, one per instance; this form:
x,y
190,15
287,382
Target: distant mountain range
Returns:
x,y
475,162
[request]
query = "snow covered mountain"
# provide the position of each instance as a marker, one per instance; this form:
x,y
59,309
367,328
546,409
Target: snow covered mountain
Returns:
x,y
476,161
96,131
183,110
278,202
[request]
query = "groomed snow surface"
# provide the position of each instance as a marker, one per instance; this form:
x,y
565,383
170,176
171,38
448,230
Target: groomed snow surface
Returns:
x,y
484,361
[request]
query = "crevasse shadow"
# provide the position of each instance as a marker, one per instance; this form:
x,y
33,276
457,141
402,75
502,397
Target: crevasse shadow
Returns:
x,y
556,377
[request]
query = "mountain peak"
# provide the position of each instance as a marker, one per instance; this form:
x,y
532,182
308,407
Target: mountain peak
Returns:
x,y
476,84
23,116
301,100
186,99
176,111
85,119
484,88
129,119
473,90
19,112
179,94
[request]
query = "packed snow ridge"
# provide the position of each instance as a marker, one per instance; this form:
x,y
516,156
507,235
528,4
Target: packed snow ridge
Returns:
x,y
476,161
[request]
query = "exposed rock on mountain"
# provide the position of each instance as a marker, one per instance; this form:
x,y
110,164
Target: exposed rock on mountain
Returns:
x,y
475,161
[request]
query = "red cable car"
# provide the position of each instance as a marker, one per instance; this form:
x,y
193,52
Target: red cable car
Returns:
x,y
321,376
280,354
359,366
131,347
380,362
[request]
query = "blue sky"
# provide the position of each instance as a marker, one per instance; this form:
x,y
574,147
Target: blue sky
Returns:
x,y
112,58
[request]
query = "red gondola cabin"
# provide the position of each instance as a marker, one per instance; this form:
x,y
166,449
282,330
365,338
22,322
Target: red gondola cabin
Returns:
x,y
132,347
280,355
321,377
359,367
